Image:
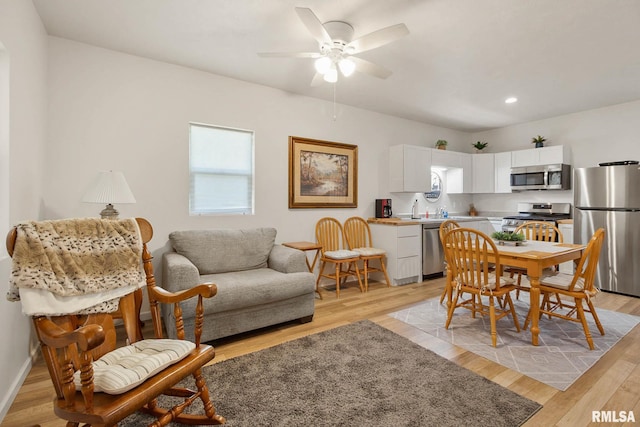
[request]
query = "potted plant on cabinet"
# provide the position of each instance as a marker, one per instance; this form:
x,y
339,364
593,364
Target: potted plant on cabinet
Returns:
x,y
479,146
539,141
441,144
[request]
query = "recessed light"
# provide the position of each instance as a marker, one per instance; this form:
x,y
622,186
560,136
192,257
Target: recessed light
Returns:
x,y
511,100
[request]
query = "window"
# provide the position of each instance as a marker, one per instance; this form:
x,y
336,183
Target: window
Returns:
x,y
221,166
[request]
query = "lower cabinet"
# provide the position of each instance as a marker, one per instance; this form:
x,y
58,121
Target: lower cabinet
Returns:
x,y
403,244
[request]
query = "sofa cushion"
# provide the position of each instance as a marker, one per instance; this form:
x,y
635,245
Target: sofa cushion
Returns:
x,y
248,288
221,251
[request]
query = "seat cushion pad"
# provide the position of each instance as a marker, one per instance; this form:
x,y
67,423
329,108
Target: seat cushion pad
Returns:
x,y
370,251
341,254
127,367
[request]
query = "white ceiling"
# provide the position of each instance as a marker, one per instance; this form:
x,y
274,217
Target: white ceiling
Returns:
x,y
460,61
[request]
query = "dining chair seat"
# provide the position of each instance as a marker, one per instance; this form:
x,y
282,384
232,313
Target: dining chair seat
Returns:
x,y
562,281
373,252
341,254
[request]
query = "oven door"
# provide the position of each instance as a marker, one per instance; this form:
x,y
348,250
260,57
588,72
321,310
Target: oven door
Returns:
x,y
528,178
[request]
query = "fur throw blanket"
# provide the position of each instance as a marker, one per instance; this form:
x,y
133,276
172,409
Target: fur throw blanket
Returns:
x,y
69,266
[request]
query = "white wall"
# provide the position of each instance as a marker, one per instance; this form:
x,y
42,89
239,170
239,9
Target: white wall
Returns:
x,y
25,50
595,136
114,111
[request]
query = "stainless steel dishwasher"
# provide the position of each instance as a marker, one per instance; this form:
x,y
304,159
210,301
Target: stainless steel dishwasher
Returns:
x,y
432,253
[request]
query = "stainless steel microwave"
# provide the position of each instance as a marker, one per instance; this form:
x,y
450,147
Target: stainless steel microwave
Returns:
x,y
548,177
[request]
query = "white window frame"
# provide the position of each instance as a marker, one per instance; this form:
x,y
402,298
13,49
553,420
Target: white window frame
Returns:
x,y
223,206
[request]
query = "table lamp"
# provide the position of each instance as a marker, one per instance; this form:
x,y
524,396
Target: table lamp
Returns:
x,y
109,187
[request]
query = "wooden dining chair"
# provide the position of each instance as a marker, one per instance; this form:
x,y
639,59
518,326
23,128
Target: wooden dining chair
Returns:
x,y
446,226
579,286
467,252
330,235
97,383
541,231
358,236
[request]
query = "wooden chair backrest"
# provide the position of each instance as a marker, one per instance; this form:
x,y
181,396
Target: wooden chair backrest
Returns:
x,y
100,325
467,252
446,226
329,234
586,269
357,233
541,231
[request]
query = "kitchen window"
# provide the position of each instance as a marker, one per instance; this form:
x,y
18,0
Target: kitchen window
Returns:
x,y
221,170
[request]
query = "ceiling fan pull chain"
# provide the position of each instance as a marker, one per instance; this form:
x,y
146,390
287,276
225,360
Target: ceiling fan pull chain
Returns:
x,y
334,101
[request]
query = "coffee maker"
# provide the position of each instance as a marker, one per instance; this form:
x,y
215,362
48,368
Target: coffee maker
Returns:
x,y
383,208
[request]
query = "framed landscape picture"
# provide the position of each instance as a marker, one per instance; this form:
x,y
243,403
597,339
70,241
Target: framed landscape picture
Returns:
x,y
322,174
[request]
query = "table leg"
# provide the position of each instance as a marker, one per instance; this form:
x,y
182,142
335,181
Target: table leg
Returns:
x,y
534,303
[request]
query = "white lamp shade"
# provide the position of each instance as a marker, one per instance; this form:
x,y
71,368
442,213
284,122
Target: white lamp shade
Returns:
x,y
109,187
323,64
347,66
331,76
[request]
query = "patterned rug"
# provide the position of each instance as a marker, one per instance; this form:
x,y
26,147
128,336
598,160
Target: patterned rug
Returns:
x,y
562,356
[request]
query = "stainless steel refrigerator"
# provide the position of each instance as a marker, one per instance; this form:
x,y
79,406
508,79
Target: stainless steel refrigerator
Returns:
x,y
609,197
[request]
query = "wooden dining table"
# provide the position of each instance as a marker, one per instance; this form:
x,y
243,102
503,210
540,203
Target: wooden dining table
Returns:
x,y
535,256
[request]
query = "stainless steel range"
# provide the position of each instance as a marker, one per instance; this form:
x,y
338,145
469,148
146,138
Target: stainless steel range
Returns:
x,y
551,212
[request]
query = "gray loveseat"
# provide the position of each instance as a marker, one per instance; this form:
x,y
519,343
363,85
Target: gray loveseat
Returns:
x,y
260,283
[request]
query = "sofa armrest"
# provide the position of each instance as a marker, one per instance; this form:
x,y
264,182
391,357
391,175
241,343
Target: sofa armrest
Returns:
x,y
178,272
287,260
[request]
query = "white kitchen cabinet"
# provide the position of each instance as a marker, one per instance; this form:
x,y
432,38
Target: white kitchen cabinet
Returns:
x,y
567,237
446,159
409,169
555,154
482,225
502,162
403,244
483,173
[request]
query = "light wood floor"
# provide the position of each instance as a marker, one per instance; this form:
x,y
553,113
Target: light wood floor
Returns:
x,y
613,383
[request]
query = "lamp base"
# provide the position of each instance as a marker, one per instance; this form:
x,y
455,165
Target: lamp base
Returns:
x,y
109,212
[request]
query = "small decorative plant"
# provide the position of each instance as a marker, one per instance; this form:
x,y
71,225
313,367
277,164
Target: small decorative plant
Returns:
x,y
441,144
480,145
508,237
539,141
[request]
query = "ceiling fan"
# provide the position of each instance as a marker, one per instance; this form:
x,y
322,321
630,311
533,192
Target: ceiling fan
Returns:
x,y
337,49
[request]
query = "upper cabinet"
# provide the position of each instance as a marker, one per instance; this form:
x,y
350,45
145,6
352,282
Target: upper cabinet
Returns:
x,y
446,159
483,168
502,163
556,154
409,169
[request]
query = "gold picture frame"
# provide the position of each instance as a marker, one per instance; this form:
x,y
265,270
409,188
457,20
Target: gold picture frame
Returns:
x,y
322,174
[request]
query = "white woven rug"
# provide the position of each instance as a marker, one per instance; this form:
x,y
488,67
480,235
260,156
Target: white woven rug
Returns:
x,y
562,356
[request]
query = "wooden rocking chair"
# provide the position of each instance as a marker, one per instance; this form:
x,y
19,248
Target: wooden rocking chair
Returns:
x,y
71,343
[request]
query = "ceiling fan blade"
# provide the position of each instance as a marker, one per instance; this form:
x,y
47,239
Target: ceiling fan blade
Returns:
x,y
317,80
377,38
289,54
367,67
313,24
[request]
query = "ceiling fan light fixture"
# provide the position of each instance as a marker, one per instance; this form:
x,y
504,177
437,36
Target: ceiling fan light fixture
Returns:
x,y
331,76
347,66
323,64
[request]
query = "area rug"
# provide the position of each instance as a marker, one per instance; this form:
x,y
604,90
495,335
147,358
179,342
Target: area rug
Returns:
x,y
356,375
560,358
